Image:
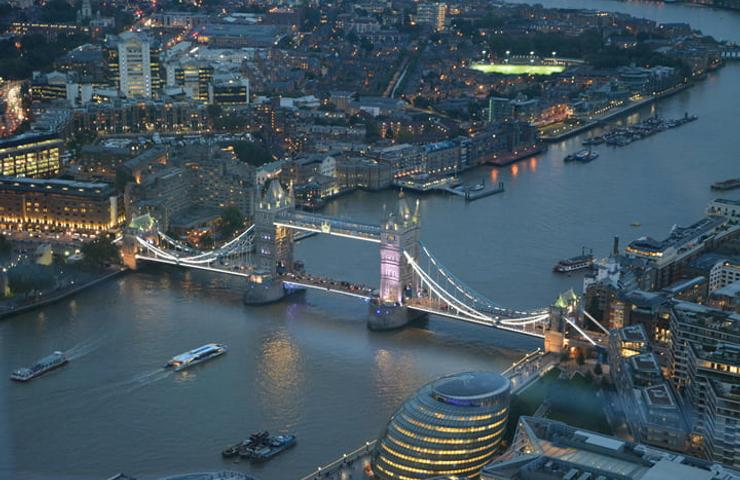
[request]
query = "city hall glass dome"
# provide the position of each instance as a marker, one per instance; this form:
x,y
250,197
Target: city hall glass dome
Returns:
x,y
450,427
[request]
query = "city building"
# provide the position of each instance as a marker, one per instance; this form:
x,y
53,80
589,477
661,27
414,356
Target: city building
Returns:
x,y
228,89
726,298
431,14
701,326
652,412
134,63
32,155
713,390
363,173
725,207
545,449
59,206
670,256
452,426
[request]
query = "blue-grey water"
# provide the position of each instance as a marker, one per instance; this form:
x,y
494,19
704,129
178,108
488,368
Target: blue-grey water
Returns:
x,y
309,366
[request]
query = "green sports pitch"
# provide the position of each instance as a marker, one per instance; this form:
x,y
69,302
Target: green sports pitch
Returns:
x,y
511,69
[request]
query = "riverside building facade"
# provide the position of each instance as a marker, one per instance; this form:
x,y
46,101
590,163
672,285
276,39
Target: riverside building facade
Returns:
x,y
58,206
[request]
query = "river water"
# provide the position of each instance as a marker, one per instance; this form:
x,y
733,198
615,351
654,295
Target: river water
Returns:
x,y
308,365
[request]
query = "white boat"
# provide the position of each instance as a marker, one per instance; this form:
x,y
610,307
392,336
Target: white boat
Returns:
x,y
196,356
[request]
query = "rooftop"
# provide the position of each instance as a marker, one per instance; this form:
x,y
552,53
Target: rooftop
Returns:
x,y
69,187
551,450
469,386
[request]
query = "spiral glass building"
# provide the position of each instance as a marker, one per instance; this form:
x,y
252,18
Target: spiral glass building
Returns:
x,y
450,427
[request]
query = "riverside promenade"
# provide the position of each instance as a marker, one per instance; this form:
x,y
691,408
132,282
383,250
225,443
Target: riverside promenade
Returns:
x,y
9,309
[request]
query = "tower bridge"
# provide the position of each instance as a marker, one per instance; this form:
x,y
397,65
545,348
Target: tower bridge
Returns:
x,y
413,282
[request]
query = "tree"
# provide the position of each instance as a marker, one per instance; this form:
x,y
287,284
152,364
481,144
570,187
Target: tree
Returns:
x,y
251,153
5,245
58,11
99,253
231,221
26,278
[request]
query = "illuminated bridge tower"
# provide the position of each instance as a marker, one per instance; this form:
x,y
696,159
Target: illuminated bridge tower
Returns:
x,y
273,247
399,234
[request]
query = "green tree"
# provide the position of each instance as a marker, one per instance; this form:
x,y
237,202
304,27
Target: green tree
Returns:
x,y
99,253
29,277
231,221
251,153
5,246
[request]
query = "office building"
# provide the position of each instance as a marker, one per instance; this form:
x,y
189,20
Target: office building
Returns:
x,y
58,206
134,63
31,155
452,426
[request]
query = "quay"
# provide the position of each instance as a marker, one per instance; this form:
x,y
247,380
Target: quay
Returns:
x,y
56,296
619,112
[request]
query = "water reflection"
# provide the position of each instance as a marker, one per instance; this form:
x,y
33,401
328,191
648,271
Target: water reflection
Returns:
x,y
280,376
395,376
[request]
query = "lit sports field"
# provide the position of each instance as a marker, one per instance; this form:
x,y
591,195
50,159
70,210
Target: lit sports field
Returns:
x,y
509,69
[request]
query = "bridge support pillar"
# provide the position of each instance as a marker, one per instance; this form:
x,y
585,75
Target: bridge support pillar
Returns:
x,y
129,249
261,290
390,317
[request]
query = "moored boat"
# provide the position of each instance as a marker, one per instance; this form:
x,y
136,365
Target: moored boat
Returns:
x,y
585,260
730,184
49,362
273,447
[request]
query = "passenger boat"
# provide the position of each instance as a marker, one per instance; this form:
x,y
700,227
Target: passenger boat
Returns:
x,y
49,362
196,356
585,260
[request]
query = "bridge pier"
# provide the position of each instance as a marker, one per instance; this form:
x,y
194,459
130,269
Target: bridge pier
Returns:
x,y
390,317
263,290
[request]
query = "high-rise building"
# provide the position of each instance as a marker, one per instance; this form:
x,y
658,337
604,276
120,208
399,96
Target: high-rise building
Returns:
x,y
432,14
134,64
452,426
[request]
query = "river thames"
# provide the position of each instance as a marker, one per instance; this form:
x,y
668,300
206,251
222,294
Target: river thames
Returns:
x,y
309,366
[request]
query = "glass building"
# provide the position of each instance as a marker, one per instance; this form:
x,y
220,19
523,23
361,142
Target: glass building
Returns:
x,y
450,427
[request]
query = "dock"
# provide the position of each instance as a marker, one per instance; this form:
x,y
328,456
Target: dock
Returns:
x,y
475,192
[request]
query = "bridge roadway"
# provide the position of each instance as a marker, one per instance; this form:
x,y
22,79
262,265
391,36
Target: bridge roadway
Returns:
x,y
328,285
534,329
311,222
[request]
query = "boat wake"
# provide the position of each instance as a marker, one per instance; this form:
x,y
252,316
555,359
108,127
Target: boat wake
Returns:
x,y
86,347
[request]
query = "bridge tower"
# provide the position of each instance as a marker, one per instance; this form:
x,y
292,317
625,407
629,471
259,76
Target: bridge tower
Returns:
x,y
273,246
143,226
399,234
